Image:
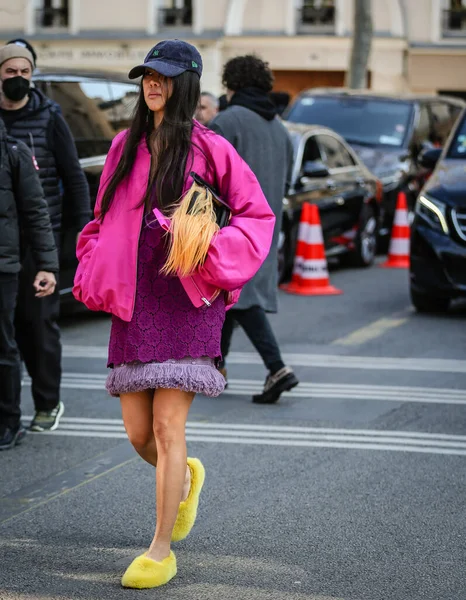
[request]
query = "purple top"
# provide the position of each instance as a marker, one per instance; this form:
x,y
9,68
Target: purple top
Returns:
x,y
165,325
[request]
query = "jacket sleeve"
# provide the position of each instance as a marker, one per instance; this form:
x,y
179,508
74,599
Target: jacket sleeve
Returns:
x,y
32,208
238,250
71,174
90,233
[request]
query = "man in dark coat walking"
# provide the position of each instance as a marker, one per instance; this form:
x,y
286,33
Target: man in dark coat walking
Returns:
x,y
31,117
250,123
24,219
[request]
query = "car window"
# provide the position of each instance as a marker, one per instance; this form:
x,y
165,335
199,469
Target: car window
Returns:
x,y
422,132
457,147
311,150
365,121
455,111
442,122
95,110
335,155
124,100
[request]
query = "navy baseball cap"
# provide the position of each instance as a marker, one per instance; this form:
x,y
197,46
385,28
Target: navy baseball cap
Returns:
x,y
170,58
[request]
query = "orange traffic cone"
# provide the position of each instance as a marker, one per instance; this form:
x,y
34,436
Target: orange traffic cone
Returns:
x,y
398,253
310,273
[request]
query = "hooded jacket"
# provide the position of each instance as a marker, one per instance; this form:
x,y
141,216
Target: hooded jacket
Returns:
x,y
42,128
251,125
24,218
108,250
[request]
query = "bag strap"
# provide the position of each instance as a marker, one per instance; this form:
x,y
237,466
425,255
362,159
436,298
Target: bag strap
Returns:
x,y
203,183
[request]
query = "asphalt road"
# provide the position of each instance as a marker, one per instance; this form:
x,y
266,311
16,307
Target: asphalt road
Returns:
x,y
352,487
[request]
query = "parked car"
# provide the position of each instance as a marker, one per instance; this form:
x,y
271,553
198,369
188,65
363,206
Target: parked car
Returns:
x,y
328,173
388,133
438,237
96,107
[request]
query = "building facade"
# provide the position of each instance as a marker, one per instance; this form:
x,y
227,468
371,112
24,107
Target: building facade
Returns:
x,y
418,45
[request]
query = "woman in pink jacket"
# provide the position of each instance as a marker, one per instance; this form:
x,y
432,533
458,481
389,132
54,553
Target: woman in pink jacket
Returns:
x,y
165,337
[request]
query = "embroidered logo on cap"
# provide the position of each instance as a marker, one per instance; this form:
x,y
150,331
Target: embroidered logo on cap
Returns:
x,y
155,53
194,64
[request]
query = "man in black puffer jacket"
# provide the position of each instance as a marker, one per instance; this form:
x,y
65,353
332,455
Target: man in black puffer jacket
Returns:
x,y
33,118
24,219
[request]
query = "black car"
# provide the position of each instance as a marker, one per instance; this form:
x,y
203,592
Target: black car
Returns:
x,y
96,107
328,173
438,237
388,133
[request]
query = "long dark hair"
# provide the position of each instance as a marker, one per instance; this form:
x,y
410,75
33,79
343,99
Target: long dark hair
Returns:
x,y
173,137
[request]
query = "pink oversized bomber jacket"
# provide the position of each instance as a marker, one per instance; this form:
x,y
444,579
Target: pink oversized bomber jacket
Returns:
x,y
107,252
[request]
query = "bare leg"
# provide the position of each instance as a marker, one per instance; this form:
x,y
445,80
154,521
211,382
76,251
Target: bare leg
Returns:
x,y
170,412
136,410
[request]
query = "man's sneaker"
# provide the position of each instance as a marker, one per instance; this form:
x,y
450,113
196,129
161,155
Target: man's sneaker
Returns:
x,y
9,438
47,420
281,381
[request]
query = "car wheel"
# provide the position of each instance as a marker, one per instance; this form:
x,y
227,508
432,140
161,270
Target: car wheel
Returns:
x,y
428,304
365,242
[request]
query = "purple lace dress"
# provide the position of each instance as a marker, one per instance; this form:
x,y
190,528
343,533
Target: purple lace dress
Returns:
x,y
168,343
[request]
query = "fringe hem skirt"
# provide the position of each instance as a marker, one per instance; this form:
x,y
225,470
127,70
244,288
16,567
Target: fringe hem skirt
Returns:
x,y
198,375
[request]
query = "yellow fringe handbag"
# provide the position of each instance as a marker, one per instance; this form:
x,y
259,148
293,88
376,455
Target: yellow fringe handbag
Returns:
x,y
195,221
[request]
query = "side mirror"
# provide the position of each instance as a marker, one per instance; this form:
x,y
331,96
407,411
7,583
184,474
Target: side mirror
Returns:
x,y
314,168
429,158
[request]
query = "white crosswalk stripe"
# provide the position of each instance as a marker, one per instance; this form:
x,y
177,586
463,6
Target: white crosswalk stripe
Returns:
x,y
338,391
277,435
381,363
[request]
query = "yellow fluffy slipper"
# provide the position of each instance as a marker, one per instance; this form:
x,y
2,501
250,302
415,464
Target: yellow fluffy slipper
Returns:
x,y
145,573
188,508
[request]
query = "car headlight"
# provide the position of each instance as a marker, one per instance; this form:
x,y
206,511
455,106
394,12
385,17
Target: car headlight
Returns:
x,y
433,211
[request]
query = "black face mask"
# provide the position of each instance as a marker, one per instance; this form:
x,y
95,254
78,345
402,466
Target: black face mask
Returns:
x,y
16,88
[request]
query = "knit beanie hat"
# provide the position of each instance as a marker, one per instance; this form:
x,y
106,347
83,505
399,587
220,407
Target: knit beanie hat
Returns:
x,y
14,51
25,44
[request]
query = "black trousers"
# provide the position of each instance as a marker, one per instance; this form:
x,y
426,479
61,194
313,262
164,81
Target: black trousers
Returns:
x,y
10,362
38,338
256,325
